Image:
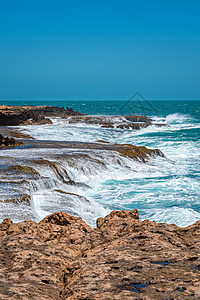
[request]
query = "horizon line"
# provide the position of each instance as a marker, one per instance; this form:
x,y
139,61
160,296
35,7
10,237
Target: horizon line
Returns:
x,y
98,99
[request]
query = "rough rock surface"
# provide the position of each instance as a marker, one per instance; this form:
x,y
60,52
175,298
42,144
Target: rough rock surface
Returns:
x,y
25,115
6,141
138,153
61,257
121,122
16,133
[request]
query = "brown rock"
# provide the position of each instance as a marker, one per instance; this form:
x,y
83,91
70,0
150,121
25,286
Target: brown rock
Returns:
x,y
141,154
118,221
127,122
141,119
61,257
138,153
27,114
62,219
134,126
5,224
6,141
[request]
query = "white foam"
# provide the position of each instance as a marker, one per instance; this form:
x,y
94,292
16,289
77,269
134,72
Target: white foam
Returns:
x,y
176,215
162,189
177,118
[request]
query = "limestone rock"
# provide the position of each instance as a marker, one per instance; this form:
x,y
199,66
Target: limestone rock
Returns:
x,y
62,257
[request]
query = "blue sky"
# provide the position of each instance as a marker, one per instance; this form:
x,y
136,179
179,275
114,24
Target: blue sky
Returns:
x,y
99,49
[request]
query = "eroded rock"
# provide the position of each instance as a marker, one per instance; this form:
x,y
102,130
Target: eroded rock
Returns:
x,y
7,141
27,114
62,257
139,153
121,122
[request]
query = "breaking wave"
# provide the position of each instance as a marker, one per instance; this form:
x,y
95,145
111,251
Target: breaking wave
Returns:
x,y
91,183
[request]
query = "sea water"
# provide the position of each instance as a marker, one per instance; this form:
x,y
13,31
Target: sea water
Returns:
x,y
164,190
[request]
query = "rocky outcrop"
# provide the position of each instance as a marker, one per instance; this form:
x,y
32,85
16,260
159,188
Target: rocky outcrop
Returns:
x,y
141,119
62,257
26,115
6,141
15,133
121,122
141,154
138,153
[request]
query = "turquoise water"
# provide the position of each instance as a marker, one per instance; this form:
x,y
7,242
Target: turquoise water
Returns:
x,y
118,107
165,190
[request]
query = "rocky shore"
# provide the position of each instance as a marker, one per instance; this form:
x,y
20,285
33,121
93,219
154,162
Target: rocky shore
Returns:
x,y
62,257
47,167
138,153
27,114
119,122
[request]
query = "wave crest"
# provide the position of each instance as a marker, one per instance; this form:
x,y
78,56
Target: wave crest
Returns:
x,y
177,118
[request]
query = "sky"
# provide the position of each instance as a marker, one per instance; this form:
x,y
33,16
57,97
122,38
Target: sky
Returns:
x,y
99,50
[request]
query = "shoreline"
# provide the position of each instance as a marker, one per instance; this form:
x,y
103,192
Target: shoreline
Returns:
x,y
46,167
61,256
89,158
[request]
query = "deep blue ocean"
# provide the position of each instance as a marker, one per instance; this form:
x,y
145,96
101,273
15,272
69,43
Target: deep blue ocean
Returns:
x,y
164,190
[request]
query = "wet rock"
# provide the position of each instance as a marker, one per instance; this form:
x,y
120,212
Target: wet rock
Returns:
x,y
141,154
59,170
24,170
136,119
27,115
14,133
106,124
6,141
81,198
62,257
24,198
102,141
121,122
133,126
138,153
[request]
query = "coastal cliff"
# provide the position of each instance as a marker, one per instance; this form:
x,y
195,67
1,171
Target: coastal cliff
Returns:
x,y
62,257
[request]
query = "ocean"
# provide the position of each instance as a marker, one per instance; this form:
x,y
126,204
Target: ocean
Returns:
x,y
163,189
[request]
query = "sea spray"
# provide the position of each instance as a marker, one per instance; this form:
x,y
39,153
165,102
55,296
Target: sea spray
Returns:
x,y
164,190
